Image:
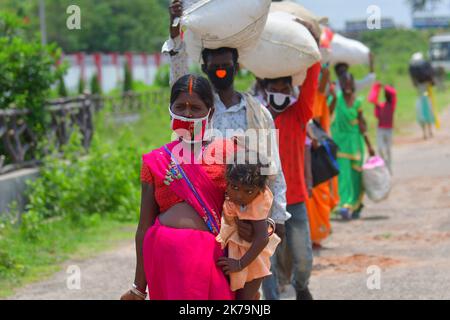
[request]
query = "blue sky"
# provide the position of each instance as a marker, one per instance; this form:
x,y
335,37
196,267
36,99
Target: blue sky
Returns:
x,y
341,10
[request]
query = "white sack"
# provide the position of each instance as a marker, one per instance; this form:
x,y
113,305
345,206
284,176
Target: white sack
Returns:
x,y
223,23
352,52
286,48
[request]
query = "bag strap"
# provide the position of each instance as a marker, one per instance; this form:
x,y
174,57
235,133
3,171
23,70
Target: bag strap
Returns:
x,y
210,223
330,154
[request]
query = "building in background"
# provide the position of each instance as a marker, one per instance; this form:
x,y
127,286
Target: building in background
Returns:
x,y
358,26
430,20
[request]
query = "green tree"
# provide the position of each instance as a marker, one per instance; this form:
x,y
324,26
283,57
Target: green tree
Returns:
x,y
106,26
27,70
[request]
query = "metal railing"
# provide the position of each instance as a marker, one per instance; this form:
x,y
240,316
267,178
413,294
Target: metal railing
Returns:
x,y
19,143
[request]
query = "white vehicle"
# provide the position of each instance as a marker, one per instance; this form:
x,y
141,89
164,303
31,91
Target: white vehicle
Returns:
x,y
440,52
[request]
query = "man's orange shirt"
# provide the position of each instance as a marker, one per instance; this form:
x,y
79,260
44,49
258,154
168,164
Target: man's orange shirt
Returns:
x,y
291,125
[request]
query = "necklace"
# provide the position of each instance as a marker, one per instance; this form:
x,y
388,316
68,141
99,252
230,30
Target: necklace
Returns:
x,y
172,172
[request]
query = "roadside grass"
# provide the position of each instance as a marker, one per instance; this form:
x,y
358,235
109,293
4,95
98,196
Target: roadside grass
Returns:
x,y
30,261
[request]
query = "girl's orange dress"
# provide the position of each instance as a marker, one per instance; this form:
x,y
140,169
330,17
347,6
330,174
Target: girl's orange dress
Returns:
x,y
259,209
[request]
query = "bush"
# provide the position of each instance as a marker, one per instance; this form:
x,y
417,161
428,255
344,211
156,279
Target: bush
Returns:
x,y
79,185
96,88
62,90
128,79
85,187
162,78
81,86
27,71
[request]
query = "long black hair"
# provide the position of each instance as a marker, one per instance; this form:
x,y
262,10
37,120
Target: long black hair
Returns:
x,y
193,83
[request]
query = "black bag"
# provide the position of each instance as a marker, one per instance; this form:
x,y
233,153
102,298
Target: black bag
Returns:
x,y
421,71
323,159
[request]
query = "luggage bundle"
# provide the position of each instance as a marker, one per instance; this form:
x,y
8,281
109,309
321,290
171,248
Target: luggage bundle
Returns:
x,y
271,45
286,48
376,179
302,13
324,157
349,51
223,23
420,69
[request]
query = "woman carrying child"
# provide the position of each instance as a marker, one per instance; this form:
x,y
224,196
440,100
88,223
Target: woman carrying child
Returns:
x,y
247,198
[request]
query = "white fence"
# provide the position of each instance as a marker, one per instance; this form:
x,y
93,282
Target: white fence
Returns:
x,y
112,69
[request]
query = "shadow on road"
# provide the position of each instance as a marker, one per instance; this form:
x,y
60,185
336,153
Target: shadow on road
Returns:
x,y
371,218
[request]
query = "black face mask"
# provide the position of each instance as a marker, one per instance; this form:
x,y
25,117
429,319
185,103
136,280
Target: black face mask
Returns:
x,y
279,107
221,78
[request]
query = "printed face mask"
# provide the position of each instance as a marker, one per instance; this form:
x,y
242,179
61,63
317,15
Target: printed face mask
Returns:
x,y
188,129
221,78
279,102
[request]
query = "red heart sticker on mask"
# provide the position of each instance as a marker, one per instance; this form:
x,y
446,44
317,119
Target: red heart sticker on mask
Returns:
x,y
221,73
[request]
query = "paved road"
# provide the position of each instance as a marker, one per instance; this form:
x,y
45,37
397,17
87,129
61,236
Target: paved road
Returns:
x,y
407,237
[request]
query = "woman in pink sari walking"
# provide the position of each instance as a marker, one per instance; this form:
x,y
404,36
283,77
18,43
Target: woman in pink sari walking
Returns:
x,y
181,207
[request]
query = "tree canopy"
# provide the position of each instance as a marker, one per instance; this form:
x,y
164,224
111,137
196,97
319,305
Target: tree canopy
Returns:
x,y
106,26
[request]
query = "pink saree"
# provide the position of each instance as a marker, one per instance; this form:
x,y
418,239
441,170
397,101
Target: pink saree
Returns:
x,y
180,264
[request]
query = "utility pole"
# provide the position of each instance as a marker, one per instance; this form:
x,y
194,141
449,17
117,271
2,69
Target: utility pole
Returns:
x,y
43,22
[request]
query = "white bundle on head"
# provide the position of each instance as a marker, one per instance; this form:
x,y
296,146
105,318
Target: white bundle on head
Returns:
x,y
352,52
300,12
214,24
286,48
418,56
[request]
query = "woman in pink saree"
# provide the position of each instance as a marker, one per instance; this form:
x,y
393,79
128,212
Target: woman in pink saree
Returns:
x,y
181,206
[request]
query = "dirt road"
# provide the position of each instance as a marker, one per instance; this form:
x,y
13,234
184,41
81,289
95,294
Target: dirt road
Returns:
x,y
407,237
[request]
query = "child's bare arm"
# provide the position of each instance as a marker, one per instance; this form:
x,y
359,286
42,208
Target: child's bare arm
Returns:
x,y
259,242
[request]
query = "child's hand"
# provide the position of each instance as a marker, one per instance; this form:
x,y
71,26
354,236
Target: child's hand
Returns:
x,y
229,265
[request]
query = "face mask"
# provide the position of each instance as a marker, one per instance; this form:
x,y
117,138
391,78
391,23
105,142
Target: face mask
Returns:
x,y
188,129
221,78
279,102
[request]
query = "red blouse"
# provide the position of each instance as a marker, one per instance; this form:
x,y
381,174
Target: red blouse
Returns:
x,y
165,198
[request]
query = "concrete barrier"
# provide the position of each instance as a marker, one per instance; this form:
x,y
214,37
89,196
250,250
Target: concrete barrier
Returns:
x,y
13,189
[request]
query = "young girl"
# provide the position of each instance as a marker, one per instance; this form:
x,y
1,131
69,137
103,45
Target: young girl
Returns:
x,y
247,198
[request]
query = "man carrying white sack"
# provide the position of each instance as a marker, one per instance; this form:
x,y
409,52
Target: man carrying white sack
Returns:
x,y
233,110
291,115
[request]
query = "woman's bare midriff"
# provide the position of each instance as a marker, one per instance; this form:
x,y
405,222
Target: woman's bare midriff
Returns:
x,y
182,216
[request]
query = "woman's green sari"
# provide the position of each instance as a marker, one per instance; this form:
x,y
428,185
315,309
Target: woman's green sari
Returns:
x,y
347,135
